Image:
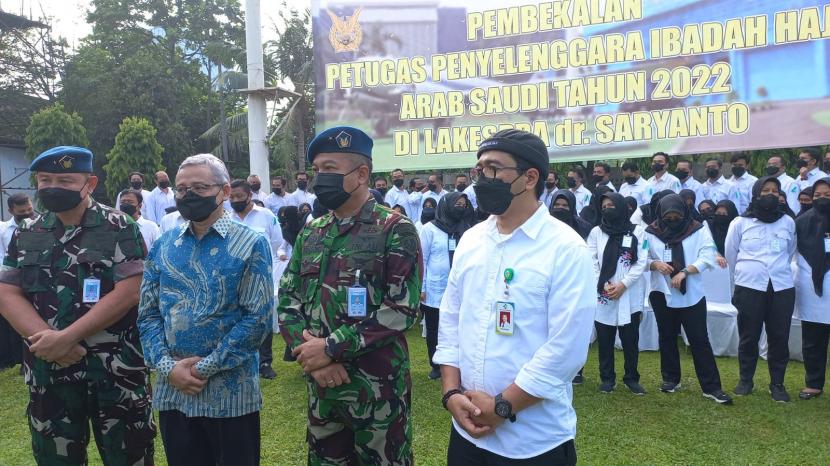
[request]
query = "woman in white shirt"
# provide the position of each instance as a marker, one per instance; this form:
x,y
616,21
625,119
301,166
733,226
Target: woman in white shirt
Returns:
x,y
813,287
439,239
759,249
616,247
680,248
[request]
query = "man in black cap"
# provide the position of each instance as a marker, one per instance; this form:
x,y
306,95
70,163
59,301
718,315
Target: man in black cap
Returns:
x,y
516,317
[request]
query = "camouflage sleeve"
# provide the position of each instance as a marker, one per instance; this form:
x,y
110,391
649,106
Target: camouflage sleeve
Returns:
x,y
130,252
150,322
256,301
290,310
10,269
401,296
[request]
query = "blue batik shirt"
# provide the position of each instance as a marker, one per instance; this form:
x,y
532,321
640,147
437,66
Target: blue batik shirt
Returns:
x,y
213,298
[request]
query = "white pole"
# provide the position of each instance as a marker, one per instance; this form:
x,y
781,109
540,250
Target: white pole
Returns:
x,y
257,145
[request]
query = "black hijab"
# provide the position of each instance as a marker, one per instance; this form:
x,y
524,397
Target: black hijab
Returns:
x,y
810,230
631,203
688,194
755,211
719,224
592,213
616,225
707,217
402,209
581,227
673,237
289,217
451,221
808,191
425,216
650,210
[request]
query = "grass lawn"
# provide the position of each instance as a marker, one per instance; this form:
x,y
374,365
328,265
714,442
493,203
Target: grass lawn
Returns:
x,y
682,428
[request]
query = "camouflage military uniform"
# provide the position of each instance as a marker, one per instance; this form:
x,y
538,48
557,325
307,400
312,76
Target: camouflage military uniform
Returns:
x,y
367,420
109,386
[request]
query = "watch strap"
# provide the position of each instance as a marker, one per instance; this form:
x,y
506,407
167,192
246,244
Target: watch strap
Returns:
x,y
450,393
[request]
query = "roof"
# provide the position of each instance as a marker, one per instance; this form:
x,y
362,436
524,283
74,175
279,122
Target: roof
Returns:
x,y
9,21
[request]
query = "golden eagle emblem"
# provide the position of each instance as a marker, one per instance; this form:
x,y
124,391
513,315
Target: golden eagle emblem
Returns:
x,y
344,140
65,162
345,34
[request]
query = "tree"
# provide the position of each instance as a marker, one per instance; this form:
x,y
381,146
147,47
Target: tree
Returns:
x,y
136,149
32,60
52,127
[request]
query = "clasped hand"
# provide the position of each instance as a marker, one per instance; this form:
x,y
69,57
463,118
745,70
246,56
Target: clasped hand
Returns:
x,y
53,346
312,356
475,412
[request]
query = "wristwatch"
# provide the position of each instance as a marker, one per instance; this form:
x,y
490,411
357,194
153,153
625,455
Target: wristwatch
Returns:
x,y
504,408
685,270
329,348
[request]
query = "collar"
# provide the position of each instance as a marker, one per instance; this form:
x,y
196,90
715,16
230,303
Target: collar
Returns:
x,y
364,216
531,227
813,172
222,226
720,180
742,178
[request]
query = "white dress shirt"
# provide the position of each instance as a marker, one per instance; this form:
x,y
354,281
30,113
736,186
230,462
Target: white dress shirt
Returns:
x,y
636,190
699,250
299,197
812,176
608,185
548,195
717,191
157,202
432,195
413,209
759,252
170,221
265,223
695,186
259,196
618,312
583,197
809,306
554,302
7,229
471,195
395,196
149,231
144,196
740,191
791,189
435,251
274,202
667,181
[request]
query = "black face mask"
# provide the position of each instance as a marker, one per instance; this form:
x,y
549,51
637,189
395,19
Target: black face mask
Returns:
x,y
712,173
301,185
549,185
136,185
457,213
460,187
800,163
681,174
674,225
805,207
382,191
427,215
494,195
822,205
631,179
196,208
255,187
129,209
561,213
707,215
277,191
609,214
720,219
239,206
398,183
433,187
597,179
164,184
329,189
771,170
738,171
59,199
767,202
20,218
658,167
571,182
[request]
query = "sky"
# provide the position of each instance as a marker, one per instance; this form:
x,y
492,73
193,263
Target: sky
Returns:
x,y
69,16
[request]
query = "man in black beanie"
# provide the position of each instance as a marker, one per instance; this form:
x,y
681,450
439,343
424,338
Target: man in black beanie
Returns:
x,y
516,318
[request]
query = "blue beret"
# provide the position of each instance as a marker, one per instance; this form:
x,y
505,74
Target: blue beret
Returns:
x,y
63,159
344,139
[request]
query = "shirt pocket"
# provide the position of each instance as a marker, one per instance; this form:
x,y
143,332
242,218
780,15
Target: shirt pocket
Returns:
x,y
753,241
309,277
531,292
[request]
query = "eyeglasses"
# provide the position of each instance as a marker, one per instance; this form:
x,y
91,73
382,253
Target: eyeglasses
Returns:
x,y
198,188
491,172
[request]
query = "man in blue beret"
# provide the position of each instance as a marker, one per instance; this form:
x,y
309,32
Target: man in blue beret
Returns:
x,y
350,291
69,285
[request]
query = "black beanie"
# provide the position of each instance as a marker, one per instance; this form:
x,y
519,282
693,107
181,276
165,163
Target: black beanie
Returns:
x,y
519,144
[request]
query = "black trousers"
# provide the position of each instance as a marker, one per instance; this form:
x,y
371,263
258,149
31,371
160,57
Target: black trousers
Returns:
x,y
693,321
11,345
630,338
204,441
815,338
266,352
770,310
431,318
462,452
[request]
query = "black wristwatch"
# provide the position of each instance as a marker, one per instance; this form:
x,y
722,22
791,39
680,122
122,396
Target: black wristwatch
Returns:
x,y
329,348
504,408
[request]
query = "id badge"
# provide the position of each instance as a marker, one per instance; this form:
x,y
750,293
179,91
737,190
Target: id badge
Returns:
x,y
667,255
626,241
775,245
92,290
505,315
451,244
826,244
357,301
